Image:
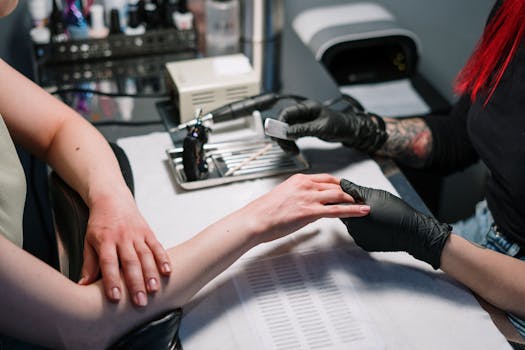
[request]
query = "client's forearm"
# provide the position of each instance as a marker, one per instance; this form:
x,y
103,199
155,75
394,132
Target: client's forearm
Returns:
x,y
495,277
66,315
195,263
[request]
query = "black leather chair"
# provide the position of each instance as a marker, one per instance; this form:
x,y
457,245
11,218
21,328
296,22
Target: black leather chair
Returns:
x,y
71,215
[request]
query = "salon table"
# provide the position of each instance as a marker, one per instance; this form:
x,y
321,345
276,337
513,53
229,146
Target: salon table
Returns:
x,y
394,301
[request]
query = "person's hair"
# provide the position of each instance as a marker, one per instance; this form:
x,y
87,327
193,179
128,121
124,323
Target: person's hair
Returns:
x,y
494,51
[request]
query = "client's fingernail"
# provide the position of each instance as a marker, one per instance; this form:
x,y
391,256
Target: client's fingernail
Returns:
x,y
115,293
152,285
166,268
140,299
82,280
364,209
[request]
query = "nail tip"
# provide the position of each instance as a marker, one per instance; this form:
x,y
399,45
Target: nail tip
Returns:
x,y
115,293
140,299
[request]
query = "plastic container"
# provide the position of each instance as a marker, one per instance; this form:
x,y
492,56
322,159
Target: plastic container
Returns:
x,y
222,23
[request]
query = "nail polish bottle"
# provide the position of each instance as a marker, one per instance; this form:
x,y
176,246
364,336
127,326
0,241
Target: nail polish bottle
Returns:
x,y
135,27
114,22
183,18
151,13
56,24
97,29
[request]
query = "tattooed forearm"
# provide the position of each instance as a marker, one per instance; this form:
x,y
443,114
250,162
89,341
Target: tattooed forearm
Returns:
x,y
409,141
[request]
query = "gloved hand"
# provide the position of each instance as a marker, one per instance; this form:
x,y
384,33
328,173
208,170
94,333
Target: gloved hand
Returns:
x,y
354,128
393,225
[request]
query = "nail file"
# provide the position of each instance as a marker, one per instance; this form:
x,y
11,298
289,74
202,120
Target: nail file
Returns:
x,y
276,128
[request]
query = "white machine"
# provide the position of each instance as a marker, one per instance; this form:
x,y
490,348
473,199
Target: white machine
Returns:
x,y
211,82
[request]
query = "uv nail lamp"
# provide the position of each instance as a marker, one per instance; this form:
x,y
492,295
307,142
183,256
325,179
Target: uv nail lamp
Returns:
x,y
359,42
211,82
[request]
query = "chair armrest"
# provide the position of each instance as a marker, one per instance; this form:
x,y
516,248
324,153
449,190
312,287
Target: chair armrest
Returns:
x,y
161,333
71,216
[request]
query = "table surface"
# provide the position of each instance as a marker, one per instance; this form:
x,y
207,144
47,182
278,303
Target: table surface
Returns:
x,y
409,304
290,68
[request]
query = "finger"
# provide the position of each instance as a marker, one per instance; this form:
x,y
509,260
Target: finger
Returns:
x,y
303,111
89,272
297,131
353,190
334,196
324,186
149,267
324,178
161,257
109,268
132,270
345,211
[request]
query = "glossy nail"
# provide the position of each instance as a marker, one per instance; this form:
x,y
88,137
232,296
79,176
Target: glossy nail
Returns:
x,y
153,286
115,293
166,268
140,299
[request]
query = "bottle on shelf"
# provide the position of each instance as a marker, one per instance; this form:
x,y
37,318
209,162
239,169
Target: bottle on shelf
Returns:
x,y
222,24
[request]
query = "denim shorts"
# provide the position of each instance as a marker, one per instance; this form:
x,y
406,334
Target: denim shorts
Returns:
x,y
481,229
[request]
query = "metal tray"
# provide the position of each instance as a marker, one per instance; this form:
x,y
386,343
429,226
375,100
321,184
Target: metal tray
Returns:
x,y
224,156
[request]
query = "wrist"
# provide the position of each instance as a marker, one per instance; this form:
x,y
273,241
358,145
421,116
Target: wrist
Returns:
x,y
370,133
379,134
431,241
258,223
109,194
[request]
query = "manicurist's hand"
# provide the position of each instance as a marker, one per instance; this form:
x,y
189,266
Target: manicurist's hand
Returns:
x,y
354,128
393,225
118,238
300,200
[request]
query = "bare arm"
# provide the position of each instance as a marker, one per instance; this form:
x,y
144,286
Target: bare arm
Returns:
x,y
66,315
495,277
79,153
409,141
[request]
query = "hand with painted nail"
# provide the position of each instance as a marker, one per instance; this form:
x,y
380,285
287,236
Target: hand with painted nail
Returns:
x,y
119,239
300,200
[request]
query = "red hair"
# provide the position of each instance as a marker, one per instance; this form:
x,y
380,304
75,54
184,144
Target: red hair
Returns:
x,y
492,55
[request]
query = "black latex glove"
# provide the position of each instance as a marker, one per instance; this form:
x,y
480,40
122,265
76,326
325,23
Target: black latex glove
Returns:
x,y
353,128
393,225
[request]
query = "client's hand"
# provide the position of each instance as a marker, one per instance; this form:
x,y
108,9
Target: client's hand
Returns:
x,y
300,200
393,225
354,128
117,238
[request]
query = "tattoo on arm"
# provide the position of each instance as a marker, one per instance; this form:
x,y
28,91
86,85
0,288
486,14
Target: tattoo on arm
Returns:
x,y
409,141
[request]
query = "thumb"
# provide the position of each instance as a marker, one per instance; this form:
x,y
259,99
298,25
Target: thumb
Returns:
x,y
289,147
359,193
90,266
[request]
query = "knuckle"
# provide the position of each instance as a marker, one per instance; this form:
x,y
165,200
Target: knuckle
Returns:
x,y
300,179
106,260
129,262
135,285
155,245
111,280
145,253
341,196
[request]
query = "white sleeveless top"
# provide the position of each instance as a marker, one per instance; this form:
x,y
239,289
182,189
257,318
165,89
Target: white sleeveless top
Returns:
x,y
12,188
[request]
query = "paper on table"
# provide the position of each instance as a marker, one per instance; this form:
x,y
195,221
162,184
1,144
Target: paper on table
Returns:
x,y
389,99
304,301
